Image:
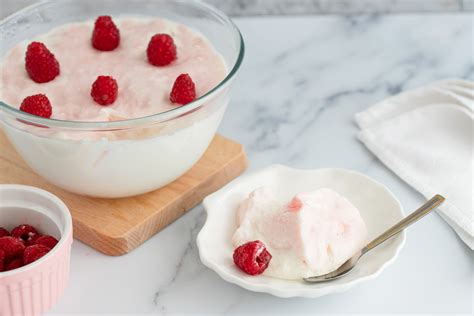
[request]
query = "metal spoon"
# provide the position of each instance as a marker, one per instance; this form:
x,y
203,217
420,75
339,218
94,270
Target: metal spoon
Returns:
x,y
395,229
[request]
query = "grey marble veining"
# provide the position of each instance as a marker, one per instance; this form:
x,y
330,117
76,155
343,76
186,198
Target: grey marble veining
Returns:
x,y
283,7
291,7
293,103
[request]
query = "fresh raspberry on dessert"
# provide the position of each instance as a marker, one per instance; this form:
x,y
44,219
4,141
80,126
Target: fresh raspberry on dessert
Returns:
x,y
34,252
184,90
2,260
252,257
161,50
106,35
4,232
14,264
25,232
40,63
104,90
38,105
11,246
46,240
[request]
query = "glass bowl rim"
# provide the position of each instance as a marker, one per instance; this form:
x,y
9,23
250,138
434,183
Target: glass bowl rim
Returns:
x,y
144,120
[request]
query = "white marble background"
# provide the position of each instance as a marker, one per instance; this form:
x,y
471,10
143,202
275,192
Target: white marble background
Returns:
x,y
283,7
301,83
266,7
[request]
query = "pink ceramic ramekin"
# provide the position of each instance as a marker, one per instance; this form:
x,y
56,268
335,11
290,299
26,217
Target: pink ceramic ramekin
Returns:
x,y
35,288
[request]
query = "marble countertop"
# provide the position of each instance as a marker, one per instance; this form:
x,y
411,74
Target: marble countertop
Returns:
x,y
271,7
305,7
301,83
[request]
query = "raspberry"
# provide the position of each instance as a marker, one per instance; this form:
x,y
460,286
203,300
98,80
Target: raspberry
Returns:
x,y
38,105
106,35
295,205
104,90
34,252
161,50
184,90
25,232
46,240
2,260
11,246
32,240
252,257
40,63
14,264
4,232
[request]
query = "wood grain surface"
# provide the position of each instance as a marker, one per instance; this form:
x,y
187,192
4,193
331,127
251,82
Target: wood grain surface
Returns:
x,y
117,226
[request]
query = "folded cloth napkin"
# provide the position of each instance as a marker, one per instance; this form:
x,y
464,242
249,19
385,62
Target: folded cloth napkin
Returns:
x,y
426,136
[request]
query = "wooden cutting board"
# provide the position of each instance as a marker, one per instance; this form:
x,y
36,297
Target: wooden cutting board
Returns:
x,y
117,226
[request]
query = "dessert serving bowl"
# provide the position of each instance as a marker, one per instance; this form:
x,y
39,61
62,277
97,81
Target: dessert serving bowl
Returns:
x,y
377,205
131,156
35,287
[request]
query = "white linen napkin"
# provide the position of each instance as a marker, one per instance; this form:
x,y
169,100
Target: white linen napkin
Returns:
x,y
426,136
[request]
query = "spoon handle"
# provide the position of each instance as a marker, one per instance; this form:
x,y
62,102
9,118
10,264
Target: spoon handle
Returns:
x,y
404,223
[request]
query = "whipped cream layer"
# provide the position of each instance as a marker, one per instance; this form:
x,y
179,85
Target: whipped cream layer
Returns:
x,y
143,88
311,235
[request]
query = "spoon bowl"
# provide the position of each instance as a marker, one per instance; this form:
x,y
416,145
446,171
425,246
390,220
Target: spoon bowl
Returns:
x,y
339,272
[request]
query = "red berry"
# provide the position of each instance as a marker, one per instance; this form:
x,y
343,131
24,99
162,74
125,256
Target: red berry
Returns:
x,y
12,246
25,232
252,257
38,105
106,35
40,63
161,50
295,205
46,240
14,264
184,90
32,240
34,252
104,90
2,260
4,232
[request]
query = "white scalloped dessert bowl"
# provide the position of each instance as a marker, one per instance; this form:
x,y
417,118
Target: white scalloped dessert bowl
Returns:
x,y
378,207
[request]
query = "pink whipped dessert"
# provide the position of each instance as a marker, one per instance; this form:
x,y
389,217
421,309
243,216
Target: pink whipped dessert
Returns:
x,y
112,69
313,234
143,88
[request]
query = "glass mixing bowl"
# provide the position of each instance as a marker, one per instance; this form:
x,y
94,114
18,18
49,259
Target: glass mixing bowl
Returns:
x,y
128,157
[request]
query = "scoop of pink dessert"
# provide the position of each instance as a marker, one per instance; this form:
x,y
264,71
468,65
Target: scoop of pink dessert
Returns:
x,y
312,234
